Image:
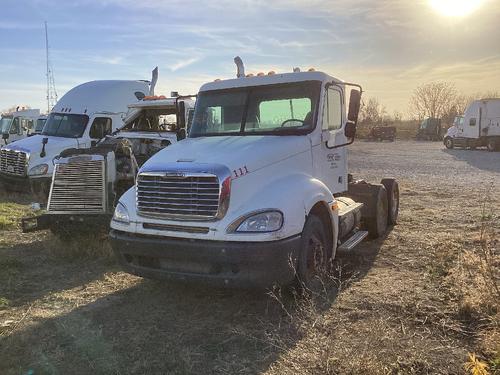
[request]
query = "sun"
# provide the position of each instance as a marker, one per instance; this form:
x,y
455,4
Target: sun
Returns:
x,y
455,8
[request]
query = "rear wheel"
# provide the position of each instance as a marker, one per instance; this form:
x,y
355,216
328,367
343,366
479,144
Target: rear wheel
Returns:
x,y
313,258
392,188
448,142
376,223
375,206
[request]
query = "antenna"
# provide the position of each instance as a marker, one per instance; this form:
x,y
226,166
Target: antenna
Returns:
x,y
51,85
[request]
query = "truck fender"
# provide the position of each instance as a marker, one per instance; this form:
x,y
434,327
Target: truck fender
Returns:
x,y
302,194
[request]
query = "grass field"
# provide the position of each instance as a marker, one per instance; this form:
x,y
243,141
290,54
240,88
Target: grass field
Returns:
x,y
418,301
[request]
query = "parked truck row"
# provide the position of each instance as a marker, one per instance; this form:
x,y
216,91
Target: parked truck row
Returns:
x,y
258,192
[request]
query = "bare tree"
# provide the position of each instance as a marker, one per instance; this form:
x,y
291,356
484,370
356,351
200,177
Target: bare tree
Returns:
x,y
372,112
434,99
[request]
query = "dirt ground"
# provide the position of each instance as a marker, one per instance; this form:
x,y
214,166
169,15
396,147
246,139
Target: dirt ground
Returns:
x,y
399,306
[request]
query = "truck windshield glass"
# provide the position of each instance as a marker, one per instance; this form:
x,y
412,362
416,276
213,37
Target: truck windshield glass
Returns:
x,y
153,120
65,125
39,125
271,109
5,124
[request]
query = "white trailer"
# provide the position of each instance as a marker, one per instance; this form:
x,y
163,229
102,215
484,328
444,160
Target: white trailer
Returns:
x,y
18,124
478,127
83,116
259,192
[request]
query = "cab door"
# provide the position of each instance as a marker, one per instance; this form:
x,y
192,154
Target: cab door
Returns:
x,y
330,162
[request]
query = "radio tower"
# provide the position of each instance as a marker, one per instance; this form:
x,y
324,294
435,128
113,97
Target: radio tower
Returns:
x,y
51,85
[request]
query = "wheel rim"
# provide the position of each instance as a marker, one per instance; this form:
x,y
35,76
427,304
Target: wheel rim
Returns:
x,y
448,143
315,256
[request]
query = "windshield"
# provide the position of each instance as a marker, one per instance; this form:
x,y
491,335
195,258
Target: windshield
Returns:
x,y
153,120
459,120
271,109
65,125
5,124
39,125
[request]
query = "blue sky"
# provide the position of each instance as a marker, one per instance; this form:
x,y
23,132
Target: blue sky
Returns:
x,y
388,46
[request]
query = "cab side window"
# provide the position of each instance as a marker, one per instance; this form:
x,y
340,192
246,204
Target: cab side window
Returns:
x,y
472,121
100,128
15,127
332,111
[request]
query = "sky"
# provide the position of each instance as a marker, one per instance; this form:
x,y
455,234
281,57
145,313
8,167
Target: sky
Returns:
x,y
387,46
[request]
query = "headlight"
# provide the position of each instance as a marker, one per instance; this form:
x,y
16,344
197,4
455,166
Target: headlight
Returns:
x,y
38,170
121,214
260,222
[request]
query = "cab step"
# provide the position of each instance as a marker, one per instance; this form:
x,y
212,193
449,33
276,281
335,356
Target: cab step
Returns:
x,y
353,241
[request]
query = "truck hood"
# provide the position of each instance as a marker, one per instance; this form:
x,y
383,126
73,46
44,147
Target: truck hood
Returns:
x,y
252,152
33,145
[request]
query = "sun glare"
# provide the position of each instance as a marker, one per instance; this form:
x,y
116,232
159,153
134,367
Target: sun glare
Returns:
x,y
455,8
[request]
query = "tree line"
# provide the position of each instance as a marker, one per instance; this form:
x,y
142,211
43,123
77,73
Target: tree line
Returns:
x,y
436,99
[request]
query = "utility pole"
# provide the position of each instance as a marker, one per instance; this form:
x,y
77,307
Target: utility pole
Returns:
x,y
51,86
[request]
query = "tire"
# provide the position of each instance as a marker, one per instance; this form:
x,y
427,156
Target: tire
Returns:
x,y
376,223
313,257
491,145
392,188
448,142
374,210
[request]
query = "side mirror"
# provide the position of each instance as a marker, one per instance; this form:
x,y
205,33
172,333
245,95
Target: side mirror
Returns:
x,y
354,105
5,136
352,116
45,140
93,143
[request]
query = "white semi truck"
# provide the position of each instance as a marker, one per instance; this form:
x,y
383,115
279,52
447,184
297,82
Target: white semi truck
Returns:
x,y
261,194
87,183
478,127
18,124
83,116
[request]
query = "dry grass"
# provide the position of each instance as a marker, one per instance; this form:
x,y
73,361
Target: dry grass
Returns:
x,y
404,304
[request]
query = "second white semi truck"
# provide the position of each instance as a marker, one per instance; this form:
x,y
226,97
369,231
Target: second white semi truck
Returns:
x,y
478,127
258,195
83,116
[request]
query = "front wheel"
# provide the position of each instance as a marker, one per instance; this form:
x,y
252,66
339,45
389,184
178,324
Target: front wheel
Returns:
x,y
313,257
448,142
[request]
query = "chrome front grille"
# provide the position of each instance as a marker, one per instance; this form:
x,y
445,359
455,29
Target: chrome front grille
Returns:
x,y
78,186
13,162
187,196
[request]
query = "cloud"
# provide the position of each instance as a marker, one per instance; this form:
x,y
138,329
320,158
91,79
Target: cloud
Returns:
x,y
183,63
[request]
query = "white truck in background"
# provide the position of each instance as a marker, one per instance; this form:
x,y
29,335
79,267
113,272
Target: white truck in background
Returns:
x,y
87,183
478,127
258,195
83,116
18,124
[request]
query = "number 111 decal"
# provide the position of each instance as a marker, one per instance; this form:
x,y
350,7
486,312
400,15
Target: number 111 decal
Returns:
x,y
240,172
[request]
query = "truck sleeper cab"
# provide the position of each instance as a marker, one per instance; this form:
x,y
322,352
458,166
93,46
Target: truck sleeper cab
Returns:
x,y
259,192
83,116
87,183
